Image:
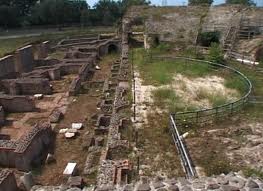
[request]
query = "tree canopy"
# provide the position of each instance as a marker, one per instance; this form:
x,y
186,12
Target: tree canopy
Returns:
x,y
243,2
15,13
200,2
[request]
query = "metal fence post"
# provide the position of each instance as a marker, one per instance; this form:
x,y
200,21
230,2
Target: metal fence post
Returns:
x,y
197,116
232,108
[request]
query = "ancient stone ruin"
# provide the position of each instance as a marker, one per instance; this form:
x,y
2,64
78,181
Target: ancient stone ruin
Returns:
x,y
70,123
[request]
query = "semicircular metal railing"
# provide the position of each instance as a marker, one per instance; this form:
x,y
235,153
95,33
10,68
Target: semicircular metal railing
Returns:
x,y
202,116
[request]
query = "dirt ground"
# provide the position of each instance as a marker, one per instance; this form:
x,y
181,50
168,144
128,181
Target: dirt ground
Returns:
x,y
158,152
230,145
81,110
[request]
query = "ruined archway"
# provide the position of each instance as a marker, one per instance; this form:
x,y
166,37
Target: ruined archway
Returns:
x,y
156,41
112,48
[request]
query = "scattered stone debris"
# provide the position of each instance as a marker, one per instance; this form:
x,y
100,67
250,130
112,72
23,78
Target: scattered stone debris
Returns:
x,y
70,169
27,180
50,159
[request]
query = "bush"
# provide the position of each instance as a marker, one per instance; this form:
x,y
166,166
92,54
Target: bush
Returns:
x,y
207,38
216,54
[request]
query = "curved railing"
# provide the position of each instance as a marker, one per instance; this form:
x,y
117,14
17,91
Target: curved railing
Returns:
x,y
210,114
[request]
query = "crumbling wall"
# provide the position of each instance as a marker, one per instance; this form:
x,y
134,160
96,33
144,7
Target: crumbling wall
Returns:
x,y
174,23
41,50
17,103
184,23
7,181
24,61
27,86
28,151
7,67
75,87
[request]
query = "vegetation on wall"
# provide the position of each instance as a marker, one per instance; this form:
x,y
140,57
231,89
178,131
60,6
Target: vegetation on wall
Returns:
x,y
207,38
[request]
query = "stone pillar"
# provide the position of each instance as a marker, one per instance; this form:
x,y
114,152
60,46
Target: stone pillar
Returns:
x,y
146,43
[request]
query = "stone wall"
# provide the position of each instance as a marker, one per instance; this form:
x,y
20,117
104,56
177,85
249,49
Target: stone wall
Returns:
x,y
24,61
7,67
183,23
75,87
17,103
27,86
28,151
84,72
41,50
7,181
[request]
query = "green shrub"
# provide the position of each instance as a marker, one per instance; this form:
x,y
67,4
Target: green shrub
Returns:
x,y
207,38
250,172
216,54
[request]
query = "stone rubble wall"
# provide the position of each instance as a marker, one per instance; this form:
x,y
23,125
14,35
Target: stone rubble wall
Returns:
x,y
41,50
7,181
7,67
17,103
24,59
28,151
27,86
230,182
183,23
111,170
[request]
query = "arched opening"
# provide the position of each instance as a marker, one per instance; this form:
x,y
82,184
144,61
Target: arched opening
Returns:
x,y
156,41
112,49
207,38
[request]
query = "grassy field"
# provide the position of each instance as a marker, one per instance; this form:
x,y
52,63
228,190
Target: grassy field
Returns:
x,y
9,45
160,72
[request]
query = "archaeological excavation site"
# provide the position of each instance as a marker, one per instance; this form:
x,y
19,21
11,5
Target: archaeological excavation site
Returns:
x,y
171,100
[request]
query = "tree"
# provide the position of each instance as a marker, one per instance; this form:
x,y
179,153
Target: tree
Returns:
x,y
107,12
200,2
58,12
125,4
8,16
242,2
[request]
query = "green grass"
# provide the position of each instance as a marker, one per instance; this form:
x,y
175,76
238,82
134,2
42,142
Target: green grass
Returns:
x,y
160,72
235,82
215,98
250,172
164,94
164,97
